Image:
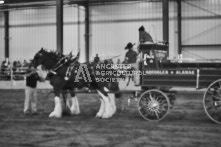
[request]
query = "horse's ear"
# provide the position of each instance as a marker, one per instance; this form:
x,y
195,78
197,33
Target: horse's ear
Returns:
x,y
76,58
41,49
78,55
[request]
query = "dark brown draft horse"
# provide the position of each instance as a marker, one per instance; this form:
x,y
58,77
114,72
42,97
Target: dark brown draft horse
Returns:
x,y
66,73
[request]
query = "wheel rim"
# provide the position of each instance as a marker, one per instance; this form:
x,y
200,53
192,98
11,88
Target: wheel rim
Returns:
x,y
212,101
153,105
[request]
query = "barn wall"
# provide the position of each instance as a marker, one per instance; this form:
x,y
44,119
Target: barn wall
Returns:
x,y
73,42
113,26
31,29
201,29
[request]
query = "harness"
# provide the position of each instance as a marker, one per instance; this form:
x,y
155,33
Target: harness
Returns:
x,y
60,63
69,70
64,60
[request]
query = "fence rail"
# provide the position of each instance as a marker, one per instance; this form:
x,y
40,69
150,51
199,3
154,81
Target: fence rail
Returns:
x,y
14,78
13,73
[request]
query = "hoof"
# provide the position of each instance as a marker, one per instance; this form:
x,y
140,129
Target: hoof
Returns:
x,y
53,114
98,116
75,112
106,116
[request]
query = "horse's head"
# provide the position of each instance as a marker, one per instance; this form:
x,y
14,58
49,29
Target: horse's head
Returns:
x,y
39,58
45,58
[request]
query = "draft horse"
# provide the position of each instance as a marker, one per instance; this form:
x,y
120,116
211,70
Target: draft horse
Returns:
x,y
56,67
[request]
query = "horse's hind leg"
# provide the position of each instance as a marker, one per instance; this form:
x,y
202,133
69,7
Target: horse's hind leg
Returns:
x,y
111,97
75,109
101,110
108,110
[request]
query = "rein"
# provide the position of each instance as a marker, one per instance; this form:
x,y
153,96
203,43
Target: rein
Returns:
x,y
60,64
67,59
70,68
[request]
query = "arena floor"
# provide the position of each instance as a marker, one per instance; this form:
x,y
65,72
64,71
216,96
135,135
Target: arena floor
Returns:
x,y
186,126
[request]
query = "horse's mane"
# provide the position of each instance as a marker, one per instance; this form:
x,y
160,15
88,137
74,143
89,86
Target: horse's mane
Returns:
x,y
53,54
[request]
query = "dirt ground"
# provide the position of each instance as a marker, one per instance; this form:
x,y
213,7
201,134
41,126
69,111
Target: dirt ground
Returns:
x,y
186,125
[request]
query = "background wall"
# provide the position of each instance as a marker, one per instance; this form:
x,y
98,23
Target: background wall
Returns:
x,y
201,29
113,26
33,28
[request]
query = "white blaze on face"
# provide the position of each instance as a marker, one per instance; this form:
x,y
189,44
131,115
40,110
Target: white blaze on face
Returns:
x,y
42,73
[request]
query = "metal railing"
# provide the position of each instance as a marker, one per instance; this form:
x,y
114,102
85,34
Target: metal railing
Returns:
x,y
12,73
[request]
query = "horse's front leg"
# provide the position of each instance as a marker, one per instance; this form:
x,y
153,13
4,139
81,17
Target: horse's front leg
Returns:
x,y
57,113
73,104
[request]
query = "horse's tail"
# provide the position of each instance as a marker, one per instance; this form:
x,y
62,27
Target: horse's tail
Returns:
x,y
114,88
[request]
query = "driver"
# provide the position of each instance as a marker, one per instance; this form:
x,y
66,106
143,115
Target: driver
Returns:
x,y
144,36
131,58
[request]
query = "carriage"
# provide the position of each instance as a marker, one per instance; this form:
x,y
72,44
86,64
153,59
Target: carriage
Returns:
x,y
159,75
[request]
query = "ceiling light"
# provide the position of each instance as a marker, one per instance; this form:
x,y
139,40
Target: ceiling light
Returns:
x,y
1,2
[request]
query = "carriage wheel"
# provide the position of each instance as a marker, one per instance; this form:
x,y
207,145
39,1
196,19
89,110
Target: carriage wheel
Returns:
x,y
153,105
212,101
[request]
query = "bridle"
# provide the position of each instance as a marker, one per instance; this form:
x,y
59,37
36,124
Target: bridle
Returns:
x,y
60,63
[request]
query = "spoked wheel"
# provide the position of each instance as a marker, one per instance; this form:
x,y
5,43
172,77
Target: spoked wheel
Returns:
x,y
212,101
153,105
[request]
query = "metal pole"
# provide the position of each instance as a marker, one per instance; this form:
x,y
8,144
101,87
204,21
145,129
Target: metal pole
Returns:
x,y
166,20
179,19
79,41
87,31
6,15
59,16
